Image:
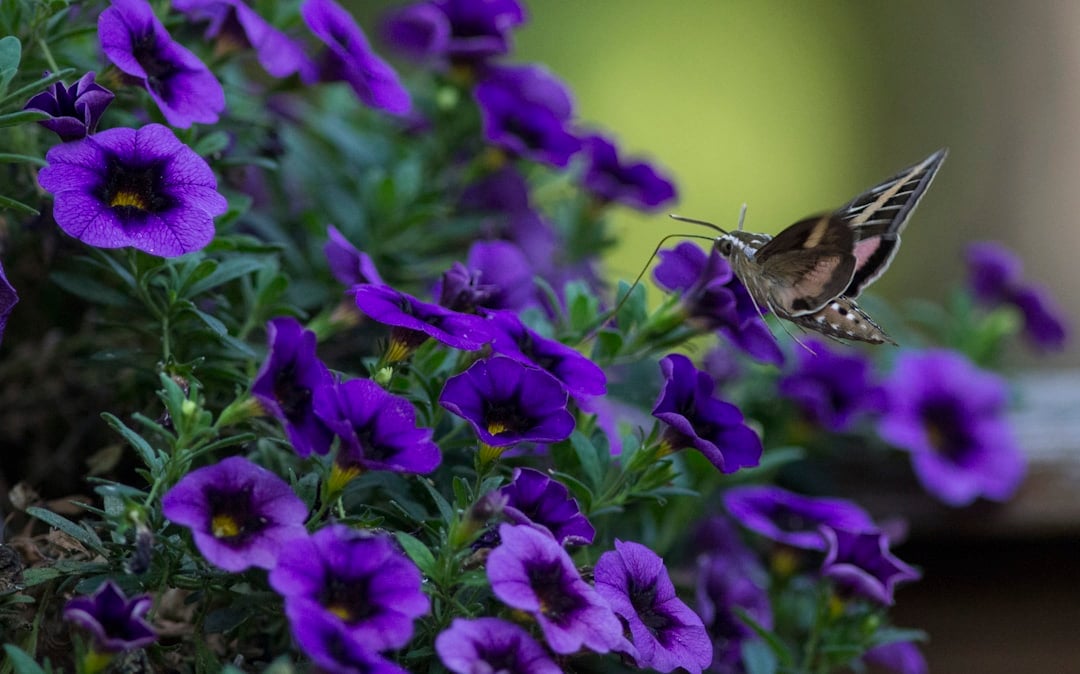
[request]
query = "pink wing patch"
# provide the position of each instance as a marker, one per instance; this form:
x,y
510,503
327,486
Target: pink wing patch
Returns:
x,y
865,249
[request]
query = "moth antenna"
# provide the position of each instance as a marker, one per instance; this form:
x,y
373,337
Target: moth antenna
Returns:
x,y
697,222
742,216
793,337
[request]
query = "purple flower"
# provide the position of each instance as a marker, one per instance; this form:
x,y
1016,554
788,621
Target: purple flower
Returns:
x,y
831,388
578,374
288,381
790,518
234,21
503,266
666,634
507,402
714,298
535,499
415,321
697,419
377,429
348,57
240,514
73,112
138,44
8,299
460,31
994,273
860,562
117,623
357,584
525,110
726,585
335,652
348,265
633,183
951,416
460,289
531,572
902,657
133,187
491,645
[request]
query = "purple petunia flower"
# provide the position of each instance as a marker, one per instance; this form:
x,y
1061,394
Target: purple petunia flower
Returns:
x,y
117,623
505,267
240,514
860,562
348,265
8,299
138,44
458,31
287,384
634,183
73,112
415,321
335,652
507,402
994,274
793,519
234,21
665,633
713,297
525,110
377,429
902,657
133,187
578,374
531,572
537,500
491,645
951,416
830,388
349,58
696,419
460,289
352,582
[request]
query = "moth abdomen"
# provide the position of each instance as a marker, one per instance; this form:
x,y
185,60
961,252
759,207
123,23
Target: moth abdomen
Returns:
x,y
842,318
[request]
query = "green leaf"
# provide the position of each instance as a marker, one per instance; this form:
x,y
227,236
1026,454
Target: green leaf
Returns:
x,y
587,457
81,534
34,87
150,457
758,658
445,509
774,643
417,552
89,289
22,117
211,143
10,55
214,324
228,270
9,158
20,661
16,205
39,575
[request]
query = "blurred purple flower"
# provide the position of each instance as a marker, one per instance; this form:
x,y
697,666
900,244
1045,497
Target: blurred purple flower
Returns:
x,y
136,41
74,112
994,274
539,501
458,31
503,192
525,110
505,267
8,299
860,563
118,624
578,374
531,572
349,58
714,298
634,183
665,632
133,187
902,657
491,645
287,382
951,416
333,651
415,321
348,265
790,518
240,514
234,21
460,289
696,419
351,582
832,388
507,402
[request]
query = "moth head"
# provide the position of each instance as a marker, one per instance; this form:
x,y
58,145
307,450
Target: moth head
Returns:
x,y
725,244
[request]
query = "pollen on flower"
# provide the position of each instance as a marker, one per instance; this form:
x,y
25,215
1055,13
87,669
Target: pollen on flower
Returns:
x,y
341,476
224,526
342,612
496,427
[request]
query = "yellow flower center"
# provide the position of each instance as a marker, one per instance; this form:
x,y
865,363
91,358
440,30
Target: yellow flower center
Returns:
x,y
398,351
224,526
496,427
341,476
340,611
124,198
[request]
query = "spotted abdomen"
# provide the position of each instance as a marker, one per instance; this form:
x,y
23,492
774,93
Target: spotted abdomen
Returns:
x,y
843,319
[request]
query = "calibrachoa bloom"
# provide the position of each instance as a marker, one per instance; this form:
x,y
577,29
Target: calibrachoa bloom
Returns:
x,y
348,57
240,514
726,585
8,299
861,563
665,633
460,289
504,266
74,112
793,519
117,623
831,388
507,402
492,645
352,582
951,416
525,110
535,499
513,339
634,183
348,265
235,22
902,657
287,382
713,297
697,419
133,187
136,42
461,31
531,572
335,652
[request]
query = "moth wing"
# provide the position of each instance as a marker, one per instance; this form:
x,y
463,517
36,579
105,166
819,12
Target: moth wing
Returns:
x,y
820,232
804,281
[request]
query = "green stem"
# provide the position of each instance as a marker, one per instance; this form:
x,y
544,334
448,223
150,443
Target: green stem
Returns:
x,y
48,55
